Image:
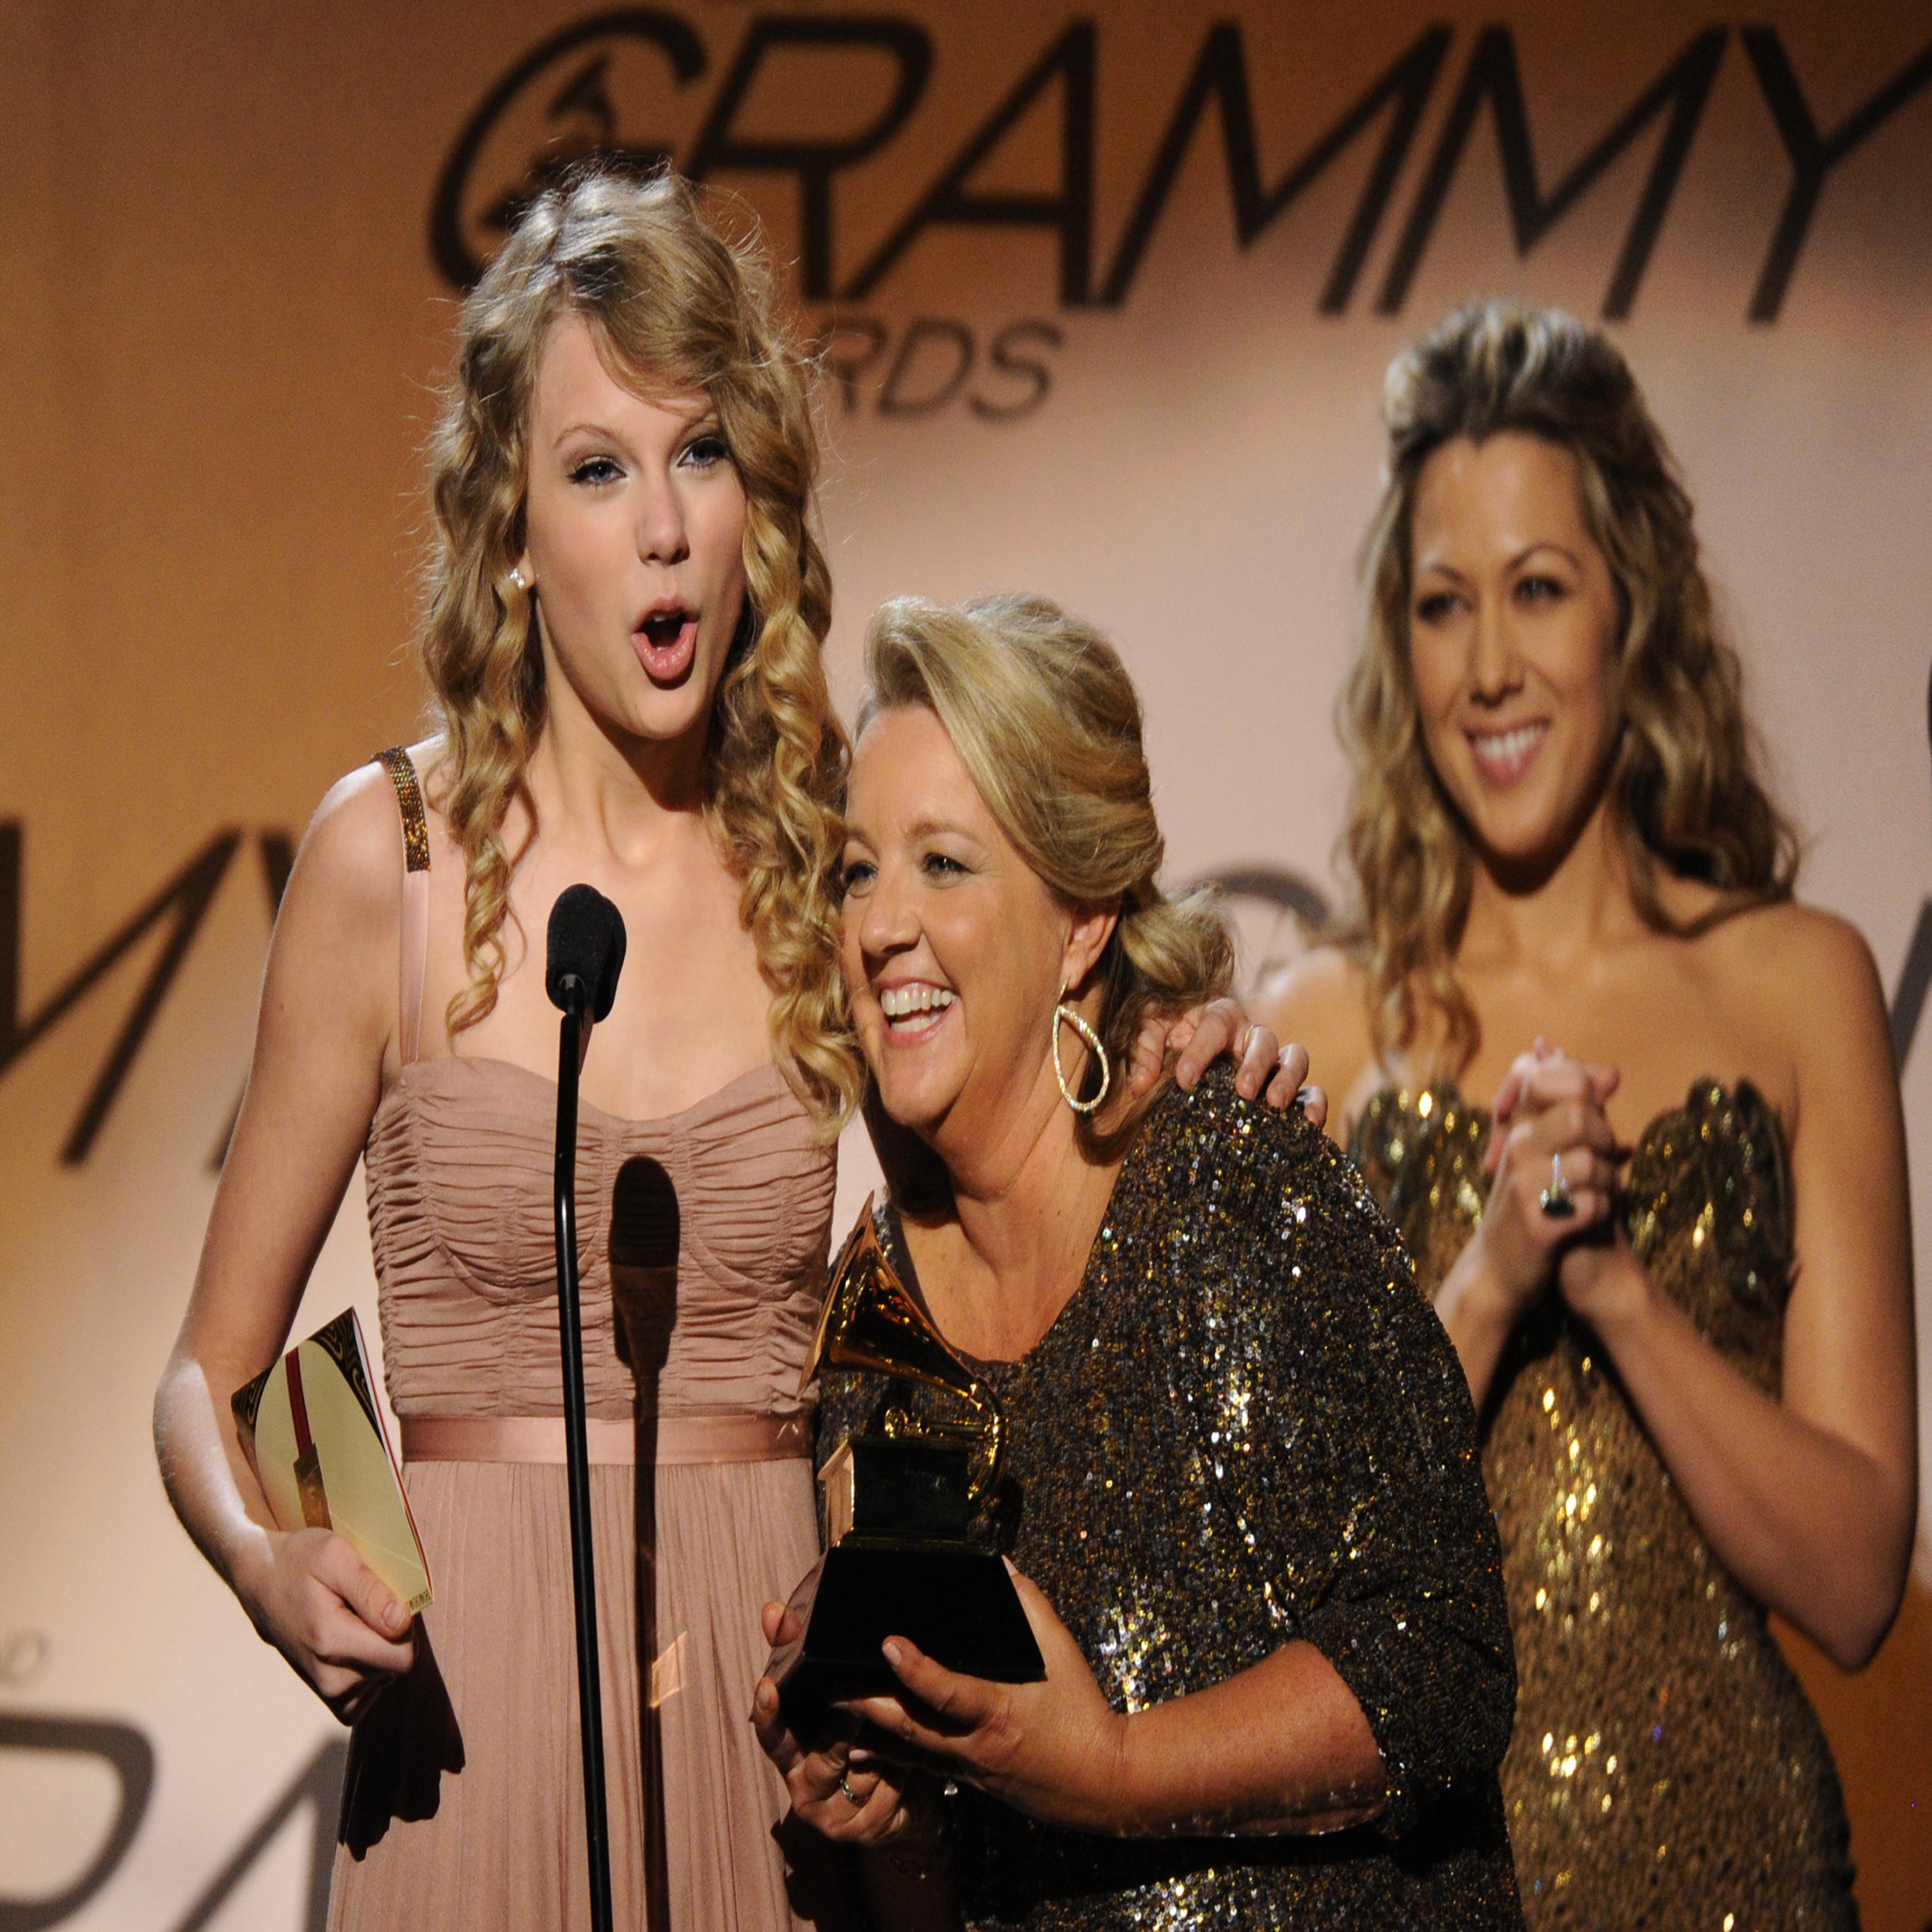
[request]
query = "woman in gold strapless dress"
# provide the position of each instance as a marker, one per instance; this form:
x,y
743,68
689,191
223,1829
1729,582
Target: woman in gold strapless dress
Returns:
x,y
624,636
1673,1257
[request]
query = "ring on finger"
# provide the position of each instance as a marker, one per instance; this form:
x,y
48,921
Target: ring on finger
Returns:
x,y
852,1796
1557,1201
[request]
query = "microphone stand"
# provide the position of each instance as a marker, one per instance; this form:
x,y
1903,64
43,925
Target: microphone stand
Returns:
x,y
583,1563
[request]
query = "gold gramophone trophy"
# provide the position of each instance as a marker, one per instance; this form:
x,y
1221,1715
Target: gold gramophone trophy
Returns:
x,y
899,1504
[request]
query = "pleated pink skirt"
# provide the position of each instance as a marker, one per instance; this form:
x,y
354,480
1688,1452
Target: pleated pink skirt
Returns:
x,y
464,1804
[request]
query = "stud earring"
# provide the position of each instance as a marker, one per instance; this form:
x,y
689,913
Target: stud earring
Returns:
x,y
518,579
1066,1014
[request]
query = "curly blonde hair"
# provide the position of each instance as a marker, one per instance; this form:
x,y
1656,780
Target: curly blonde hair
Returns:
x,y
1683,787
674,305
1048,723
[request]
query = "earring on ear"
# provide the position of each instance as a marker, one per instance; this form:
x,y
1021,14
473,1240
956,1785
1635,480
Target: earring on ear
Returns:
x,y
518,579
1066,1014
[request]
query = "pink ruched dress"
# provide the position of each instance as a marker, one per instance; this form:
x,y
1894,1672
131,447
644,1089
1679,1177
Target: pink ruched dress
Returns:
x,y
464,1802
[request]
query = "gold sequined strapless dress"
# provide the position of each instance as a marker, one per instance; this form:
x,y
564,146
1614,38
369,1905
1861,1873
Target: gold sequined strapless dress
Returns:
x,y
1666,1769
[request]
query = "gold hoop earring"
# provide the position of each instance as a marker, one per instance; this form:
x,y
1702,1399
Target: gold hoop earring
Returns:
x,y
1066,1014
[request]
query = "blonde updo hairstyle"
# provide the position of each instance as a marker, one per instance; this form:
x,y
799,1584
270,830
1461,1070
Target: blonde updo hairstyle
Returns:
x,y
674,305
1048,724
1684,793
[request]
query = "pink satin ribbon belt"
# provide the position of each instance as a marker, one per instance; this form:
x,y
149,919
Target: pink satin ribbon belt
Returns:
x,y
730,1437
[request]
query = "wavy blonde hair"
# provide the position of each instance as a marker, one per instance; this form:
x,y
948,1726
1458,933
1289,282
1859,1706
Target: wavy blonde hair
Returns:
x,y
1683,786
1048,723
674,306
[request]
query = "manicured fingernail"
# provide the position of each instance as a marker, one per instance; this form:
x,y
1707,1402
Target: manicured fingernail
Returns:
x,y
855,1755
893,1655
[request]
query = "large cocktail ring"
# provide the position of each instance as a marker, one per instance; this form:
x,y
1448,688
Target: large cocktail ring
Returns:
x,y
1558,1203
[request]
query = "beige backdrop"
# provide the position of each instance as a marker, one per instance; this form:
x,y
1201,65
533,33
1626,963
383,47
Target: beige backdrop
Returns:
x,y
221,319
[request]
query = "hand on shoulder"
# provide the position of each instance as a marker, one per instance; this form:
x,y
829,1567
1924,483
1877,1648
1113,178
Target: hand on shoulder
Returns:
x,y
1321,1001
1198,1039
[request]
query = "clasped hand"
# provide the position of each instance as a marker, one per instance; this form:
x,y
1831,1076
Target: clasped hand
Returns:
x,y
1054,1750
1550,1122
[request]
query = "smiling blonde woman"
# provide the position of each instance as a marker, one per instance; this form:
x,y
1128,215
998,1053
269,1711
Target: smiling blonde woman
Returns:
x,y
1240,1460
1674,1255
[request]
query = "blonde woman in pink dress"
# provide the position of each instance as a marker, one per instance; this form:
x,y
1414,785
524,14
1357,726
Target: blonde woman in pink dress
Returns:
x,y
624,639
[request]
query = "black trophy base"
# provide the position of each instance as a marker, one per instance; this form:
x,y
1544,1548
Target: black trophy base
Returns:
x,y
957,1604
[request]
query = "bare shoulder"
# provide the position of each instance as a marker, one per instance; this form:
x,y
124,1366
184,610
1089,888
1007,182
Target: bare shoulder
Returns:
x,y
1321,1001
350,861
329,996
1794,964
1804,982
1327,984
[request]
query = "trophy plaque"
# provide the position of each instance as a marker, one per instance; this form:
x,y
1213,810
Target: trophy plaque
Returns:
x,y
900,1498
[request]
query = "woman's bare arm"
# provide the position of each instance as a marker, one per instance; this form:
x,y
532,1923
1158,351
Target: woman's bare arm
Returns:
x,y
1811,1502
1281,1746
327,1014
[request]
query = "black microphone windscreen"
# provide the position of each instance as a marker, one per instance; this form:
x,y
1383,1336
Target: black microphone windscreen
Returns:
x,y
586,943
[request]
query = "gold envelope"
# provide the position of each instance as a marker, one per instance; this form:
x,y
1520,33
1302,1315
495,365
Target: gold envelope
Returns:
x,y
311,1428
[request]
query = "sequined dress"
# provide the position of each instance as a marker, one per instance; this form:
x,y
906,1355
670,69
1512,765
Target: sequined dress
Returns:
x,y
1245,1427
1666,1770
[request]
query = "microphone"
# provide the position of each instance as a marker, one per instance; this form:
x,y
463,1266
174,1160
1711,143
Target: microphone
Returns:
x,y
586,953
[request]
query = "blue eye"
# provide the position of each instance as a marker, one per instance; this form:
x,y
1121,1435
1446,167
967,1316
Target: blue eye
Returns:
x,y
704,452
595,470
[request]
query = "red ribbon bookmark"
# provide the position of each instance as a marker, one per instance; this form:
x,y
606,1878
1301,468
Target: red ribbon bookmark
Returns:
x,y
307,1463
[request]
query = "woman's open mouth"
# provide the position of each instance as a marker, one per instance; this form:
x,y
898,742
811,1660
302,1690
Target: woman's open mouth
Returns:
x,y
913,1009
1503,756
666,641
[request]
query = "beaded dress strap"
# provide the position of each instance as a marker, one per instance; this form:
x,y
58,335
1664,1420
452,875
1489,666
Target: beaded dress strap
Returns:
x,y
401,770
